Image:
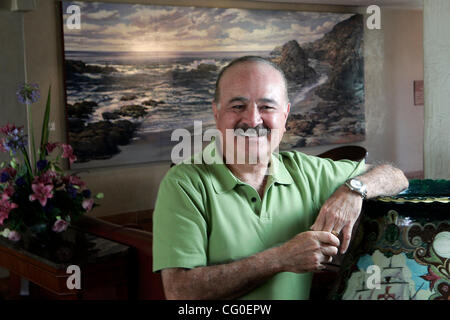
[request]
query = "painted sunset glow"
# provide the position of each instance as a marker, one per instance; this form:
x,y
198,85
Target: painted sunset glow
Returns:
x,y
135,73
149,28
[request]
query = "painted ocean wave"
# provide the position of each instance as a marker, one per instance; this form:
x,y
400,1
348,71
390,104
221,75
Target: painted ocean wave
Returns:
x,y
181,84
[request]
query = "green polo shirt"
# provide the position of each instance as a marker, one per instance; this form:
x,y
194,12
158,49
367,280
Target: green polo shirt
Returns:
x,y
204,215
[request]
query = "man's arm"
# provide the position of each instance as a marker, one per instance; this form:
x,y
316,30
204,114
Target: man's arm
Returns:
x,y
383,180
306,252
340,212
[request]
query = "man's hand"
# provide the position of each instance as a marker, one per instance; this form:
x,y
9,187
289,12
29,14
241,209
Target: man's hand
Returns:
x,y
339,213
308,251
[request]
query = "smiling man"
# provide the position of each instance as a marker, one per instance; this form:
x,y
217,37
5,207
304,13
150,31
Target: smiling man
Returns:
x,y
250,108
257,228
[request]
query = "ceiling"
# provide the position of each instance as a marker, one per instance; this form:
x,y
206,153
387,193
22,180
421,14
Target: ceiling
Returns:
x,y
382,3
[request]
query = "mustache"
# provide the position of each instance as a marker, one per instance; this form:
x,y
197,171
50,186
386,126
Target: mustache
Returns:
x,y
246,131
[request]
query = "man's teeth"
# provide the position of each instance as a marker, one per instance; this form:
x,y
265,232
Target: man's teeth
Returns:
x,y
248,133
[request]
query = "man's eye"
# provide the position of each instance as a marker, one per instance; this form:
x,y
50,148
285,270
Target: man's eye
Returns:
x,y
267,107
238,107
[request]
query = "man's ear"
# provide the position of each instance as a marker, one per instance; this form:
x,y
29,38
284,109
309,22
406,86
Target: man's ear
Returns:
x,y
288,108
286,114
215,110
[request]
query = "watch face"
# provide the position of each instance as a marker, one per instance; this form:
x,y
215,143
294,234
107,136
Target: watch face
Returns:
x,y
355,183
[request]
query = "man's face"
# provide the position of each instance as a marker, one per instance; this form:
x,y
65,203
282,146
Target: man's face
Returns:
x,y
252,95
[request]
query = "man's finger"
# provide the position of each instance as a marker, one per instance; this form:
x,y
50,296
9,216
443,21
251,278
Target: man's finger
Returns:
x,y
329,251
347,236
329,225
328,238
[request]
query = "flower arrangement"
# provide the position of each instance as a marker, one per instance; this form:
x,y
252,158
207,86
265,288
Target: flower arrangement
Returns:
x,y
35,193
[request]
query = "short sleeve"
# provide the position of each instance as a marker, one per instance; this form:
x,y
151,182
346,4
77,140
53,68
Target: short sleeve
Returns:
x,y
334,174
179,227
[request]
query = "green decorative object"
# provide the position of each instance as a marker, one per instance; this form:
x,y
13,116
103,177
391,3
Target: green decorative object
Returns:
x,y
401,248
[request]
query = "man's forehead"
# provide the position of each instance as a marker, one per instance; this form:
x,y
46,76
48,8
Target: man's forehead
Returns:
x,y
245,99
251,70
250,66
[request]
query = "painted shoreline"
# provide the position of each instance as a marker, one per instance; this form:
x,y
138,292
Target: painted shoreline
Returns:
x,y
143,148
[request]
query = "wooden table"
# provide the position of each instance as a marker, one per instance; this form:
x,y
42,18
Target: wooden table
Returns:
x,y
103,264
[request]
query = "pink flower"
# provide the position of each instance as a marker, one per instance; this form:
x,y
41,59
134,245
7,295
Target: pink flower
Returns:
x,y
5,207
9,129
14,236
60,225
74,180
11,171
87,204
46,178
2,148
9,190
68,153
51,146
41,192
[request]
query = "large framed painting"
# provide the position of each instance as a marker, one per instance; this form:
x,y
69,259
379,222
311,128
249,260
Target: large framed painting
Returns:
x,y
135,73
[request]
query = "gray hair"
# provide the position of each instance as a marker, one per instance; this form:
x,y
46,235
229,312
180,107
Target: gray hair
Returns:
x,y
245,59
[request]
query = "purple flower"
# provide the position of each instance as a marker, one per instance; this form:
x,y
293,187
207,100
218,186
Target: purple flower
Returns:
x,y
7,174
71,191
8,128
20,181
4,177
28,93
15,138
41,164
87,193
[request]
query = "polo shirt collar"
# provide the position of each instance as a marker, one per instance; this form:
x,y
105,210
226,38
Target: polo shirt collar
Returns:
x,y
278,171
223,179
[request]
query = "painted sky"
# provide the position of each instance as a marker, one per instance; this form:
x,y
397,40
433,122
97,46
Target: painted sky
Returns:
x,y
125,27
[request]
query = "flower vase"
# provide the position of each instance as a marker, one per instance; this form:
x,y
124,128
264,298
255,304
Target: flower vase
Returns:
x,y
39,237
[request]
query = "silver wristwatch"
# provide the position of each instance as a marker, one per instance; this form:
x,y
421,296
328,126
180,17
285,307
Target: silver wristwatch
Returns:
x,y
357,186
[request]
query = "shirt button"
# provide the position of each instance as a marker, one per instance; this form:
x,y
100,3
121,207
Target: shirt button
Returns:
x,y
253,199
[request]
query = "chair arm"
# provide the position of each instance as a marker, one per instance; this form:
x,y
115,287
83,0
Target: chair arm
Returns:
x,y
139,239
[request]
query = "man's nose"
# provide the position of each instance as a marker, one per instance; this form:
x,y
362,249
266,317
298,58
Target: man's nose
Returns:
x,y
252,117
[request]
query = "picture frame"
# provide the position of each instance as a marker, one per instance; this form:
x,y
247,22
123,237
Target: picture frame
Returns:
x,y
123,104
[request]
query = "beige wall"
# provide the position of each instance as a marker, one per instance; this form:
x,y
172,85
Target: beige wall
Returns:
x,y
437,93
394,126
12,70
403,63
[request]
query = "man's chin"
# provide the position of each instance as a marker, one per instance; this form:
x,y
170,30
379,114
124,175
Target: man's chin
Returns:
x,y
249,149
251,155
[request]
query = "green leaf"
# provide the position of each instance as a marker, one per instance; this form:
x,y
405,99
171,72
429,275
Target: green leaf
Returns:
x,y
13,163
100,195
44,136
22,171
